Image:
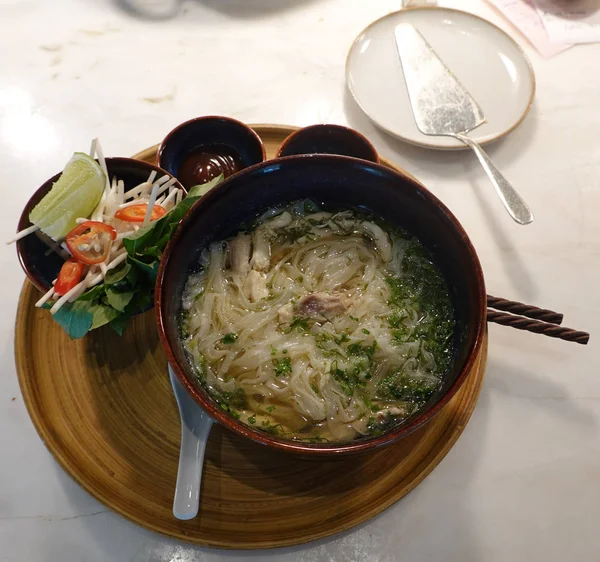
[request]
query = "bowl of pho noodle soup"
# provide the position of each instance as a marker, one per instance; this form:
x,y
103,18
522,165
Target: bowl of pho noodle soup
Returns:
x,y
318,323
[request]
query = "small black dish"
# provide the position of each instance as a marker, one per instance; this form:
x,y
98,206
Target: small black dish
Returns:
x,y
328,139
201,149
42,267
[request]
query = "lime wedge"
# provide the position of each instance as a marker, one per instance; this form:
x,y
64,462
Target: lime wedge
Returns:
x,y
75,194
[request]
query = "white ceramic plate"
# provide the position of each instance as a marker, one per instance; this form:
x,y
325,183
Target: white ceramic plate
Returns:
x,y
486,61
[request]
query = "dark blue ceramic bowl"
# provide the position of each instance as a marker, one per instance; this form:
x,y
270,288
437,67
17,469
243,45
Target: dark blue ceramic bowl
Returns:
x,y
211,131
328,139
337,182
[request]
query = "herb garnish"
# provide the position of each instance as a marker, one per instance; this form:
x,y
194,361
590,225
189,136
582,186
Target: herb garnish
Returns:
x,y
231,337
299,324
128,289
282,366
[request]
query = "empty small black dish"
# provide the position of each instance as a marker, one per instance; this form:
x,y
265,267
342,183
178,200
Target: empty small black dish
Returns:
x,y
328,139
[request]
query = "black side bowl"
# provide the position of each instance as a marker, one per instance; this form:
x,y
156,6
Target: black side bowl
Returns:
x,y
210,131
328,139
42,268
337,182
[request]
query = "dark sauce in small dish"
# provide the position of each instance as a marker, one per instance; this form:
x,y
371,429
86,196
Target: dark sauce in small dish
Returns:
x,y
208,162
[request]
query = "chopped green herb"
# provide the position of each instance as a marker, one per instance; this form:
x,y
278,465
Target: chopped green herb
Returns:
x,y
273,351
342,339
349,378
423,288
400,334
366,332
282,366
199,367
401,386
227,400
231,337
374,428
267,427
396,319
270,408
358,349
352,317
314,439
299,323
252,420
294,233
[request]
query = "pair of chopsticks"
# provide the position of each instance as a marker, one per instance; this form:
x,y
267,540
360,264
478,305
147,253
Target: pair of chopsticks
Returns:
x,y
532,319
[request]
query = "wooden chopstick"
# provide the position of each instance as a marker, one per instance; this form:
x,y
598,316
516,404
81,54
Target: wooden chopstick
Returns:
x,y
525,310
538,327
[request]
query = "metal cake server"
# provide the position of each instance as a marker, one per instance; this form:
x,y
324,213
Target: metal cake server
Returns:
x,y
442,106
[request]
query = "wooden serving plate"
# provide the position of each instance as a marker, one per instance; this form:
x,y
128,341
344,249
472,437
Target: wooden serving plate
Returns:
x,y
104,407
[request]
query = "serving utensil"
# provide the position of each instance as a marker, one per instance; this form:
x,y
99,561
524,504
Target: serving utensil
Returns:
x,y
195,427
442,106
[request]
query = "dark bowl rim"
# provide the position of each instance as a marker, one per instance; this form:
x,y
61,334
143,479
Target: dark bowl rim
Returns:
x,y
162,146
38,194
353,132
315,450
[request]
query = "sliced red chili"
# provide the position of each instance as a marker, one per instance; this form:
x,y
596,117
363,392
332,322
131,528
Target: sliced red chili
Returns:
x,y
70,274
137,213
90,241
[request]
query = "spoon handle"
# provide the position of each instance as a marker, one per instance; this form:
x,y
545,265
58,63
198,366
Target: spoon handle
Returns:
x,y
514,203
194,435
195,427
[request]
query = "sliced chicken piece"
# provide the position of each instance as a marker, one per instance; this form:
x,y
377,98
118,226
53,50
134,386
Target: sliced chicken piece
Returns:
x,y
321,217
380,239
324,305
383,415
255,286
280,221
239,253
261,251
286,313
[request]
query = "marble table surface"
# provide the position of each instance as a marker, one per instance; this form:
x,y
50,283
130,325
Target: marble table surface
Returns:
x,y
523,482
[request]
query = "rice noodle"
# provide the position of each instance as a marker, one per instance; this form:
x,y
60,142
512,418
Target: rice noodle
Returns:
x,y
315,358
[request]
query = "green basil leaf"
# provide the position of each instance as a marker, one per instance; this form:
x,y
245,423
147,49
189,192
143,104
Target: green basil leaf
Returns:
x,y
93,293
115,275
118,300
119,323
103,315
150,271
203,188
151,240
142,300
75,318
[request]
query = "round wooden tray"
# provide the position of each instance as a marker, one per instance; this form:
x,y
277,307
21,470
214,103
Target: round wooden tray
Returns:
x,y
104,408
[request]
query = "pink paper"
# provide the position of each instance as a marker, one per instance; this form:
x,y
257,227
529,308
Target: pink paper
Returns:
x,y
523,15
576,21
